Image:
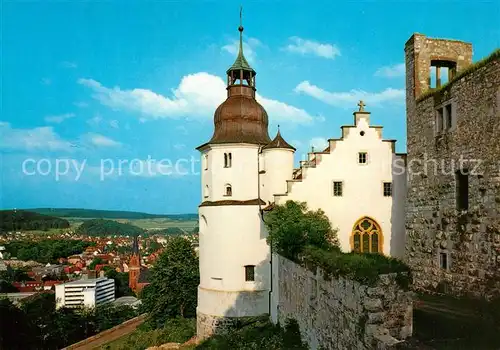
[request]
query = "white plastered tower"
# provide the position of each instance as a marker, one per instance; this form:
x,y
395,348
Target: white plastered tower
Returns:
x,y
241,170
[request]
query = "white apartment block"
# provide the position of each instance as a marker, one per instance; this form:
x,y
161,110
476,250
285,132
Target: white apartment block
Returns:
x,y
85,293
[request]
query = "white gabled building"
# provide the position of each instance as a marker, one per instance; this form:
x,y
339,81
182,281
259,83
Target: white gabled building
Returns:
x,y
356,181
85,293
360,183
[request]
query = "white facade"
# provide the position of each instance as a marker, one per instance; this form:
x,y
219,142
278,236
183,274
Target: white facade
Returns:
x,y
85,293
233,236
362,185
276,169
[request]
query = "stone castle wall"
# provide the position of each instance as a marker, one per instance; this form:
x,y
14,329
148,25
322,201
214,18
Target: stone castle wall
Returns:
x,y
340,313
470,239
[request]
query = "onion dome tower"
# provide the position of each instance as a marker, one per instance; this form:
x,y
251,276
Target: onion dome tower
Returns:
x,y
240,118
234,255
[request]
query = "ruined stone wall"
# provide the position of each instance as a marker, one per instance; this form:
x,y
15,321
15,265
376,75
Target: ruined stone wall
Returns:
x,y
434,226
341,313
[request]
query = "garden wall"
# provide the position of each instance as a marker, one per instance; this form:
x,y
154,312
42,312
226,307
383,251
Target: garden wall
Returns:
x,y
339,313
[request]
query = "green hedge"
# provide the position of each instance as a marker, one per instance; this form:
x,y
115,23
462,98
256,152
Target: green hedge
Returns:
x,y
364,268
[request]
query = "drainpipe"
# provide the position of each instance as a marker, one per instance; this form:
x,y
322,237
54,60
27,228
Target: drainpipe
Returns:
x,y
261,212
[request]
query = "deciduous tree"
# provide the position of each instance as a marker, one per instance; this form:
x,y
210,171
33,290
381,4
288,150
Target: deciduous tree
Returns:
x,y
292,227
174,282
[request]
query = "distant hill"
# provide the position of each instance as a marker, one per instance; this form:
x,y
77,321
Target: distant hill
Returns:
x,y
102,227
12,220
108,214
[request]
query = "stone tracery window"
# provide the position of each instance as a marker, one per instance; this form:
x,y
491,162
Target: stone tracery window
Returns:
x,y
366,236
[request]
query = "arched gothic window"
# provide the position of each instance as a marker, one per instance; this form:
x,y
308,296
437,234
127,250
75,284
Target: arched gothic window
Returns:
x,y
366,236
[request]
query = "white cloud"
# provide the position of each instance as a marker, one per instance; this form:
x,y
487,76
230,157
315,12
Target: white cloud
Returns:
x,y
304,46
397,70
319,143
179,146
95,120
114,124
249,48
280,111
57,119
197,95
351,98
101,140
42,138
68,64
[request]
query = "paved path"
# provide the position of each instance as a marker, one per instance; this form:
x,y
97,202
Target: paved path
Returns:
x,y
109,335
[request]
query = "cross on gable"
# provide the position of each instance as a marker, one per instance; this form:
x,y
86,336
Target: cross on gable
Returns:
x,y
361,105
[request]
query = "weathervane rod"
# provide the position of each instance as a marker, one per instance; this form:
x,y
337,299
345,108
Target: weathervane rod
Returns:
x,y
241,10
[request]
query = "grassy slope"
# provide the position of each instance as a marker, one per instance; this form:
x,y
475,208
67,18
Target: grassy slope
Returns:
x,y
147,224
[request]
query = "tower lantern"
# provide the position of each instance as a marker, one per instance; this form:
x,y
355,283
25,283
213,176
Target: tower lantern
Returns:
x,y
240,73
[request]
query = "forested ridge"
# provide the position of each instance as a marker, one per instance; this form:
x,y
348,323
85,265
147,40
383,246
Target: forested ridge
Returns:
x,y
13,220
102,227
109,214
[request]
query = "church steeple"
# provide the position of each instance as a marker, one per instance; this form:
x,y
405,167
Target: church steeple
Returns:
x,y
240,73
135,245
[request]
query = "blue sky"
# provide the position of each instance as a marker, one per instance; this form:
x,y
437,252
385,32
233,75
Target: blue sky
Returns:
x,y
86,85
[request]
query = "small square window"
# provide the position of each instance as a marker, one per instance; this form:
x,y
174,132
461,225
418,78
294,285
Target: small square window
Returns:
x,y
337,188
362,157
443,260
250,273
387,189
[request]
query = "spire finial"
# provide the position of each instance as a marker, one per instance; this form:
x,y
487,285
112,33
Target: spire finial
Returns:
x,y
240,29
241,22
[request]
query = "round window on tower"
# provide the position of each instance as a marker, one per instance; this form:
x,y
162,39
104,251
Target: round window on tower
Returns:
x,y
362,133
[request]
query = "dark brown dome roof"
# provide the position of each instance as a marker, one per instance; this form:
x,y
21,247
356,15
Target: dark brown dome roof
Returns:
x,y
240,119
